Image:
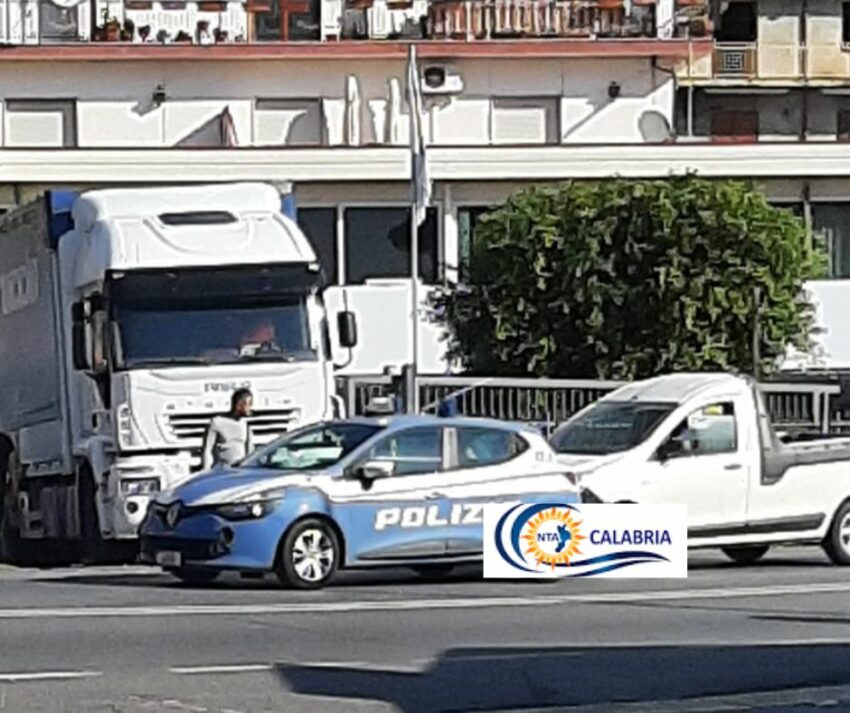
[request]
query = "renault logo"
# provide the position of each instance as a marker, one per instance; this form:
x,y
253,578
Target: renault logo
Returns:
x,y
172,515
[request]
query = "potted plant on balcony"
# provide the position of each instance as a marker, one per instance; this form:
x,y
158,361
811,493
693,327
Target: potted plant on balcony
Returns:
x,y
144,32
220,35
128,32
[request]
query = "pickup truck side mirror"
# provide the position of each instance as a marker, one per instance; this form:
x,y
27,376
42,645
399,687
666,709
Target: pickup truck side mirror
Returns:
x,y
671,448
347,328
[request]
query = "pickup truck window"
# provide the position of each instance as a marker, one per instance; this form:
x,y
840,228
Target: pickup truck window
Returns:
x,y
707,431
610,427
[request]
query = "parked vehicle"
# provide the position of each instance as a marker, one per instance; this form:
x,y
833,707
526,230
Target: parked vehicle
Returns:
x,y
128,318
407,490
705,440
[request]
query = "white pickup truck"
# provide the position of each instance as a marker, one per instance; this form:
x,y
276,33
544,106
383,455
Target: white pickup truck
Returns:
x,y
705,440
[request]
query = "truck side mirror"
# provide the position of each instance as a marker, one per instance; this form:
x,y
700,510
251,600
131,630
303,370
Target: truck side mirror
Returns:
x,y
671,448
347,328
79,340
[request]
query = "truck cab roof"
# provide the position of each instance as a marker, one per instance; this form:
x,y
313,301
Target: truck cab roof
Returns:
x,y
677,388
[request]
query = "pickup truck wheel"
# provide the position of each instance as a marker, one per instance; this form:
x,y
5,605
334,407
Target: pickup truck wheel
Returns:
x,y
746,555
309,555
837,542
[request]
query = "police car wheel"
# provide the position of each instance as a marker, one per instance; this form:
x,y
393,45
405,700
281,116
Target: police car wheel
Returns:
x,y
309,555
837,541
195,576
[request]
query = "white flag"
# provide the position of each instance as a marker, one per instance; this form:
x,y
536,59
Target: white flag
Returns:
x,y
418,159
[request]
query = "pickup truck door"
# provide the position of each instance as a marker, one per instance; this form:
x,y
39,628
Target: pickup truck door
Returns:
x,y
702,463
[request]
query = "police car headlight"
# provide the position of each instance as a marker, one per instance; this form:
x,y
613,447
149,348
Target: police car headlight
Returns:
x,y
252,509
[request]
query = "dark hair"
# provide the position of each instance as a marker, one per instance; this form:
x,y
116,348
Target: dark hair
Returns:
x,y
239,396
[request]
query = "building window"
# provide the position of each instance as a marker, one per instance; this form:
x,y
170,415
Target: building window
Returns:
x,y
738,23
831,222
58,24
525,120
377,244
843,133
319,225
467,220
730,125
288,20
40,123
288,122
845,23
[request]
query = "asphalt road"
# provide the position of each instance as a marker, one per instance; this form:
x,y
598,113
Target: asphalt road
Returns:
x,y
773,637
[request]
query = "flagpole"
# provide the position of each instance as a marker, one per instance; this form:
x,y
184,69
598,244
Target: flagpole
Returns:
x,y
415,133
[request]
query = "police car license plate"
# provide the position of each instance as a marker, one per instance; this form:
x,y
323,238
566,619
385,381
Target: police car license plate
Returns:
x,y
169,559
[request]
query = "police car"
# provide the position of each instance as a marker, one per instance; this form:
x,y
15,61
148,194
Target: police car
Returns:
x,y
406,490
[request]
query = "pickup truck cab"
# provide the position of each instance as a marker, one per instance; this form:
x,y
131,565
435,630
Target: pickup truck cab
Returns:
x,y
705,440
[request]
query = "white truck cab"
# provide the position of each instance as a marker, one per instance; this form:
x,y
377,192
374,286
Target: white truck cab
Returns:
x,y
705,440
126,327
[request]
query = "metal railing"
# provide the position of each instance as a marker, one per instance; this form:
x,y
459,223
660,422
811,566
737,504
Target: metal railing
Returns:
x,y
793,407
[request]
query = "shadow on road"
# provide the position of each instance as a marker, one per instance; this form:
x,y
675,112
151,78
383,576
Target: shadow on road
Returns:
x,y
516,678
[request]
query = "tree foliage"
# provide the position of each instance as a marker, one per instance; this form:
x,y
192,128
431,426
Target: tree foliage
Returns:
x,y
626,279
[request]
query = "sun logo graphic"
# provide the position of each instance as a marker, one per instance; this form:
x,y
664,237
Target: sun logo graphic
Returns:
x,y
552,537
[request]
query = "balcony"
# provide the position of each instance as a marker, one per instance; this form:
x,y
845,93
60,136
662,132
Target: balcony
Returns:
x,y
229,22
767,63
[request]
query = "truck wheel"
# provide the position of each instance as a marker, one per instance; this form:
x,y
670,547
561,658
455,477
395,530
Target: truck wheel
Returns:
x,y
309,555
746,555
837,541
195,576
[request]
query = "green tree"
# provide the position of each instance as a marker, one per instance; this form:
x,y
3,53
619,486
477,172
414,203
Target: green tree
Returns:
x,y
626,279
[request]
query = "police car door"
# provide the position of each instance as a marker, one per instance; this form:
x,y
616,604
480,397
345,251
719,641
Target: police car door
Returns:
x,y
400,514
491,464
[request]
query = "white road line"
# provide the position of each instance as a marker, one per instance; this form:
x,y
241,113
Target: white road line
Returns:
x,y
47,676
318,607
237,668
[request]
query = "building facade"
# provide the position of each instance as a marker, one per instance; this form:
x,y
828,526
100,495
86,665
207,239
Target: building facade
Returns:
x,y
516,92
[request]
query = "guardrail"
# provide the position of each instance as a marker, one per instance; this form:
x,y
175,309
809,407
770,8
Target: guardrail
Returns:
x,y
793,407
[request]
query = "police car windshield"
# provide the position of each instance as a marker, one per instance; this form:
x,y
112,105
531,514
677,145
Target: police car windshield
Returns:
x,y
312,448
610,427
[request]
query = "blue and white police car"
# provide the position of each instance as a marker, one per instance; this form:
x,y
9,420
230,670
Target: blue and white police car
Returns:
x,y
405,490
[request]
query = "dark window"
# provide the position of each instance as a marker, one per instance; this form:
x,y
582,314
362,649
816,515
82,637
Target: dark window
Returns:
x,y
467,219
377,244
319,225
209,217
831,222
411,452
707,431
739,23
845,27
843,133
730,125
58,24
487,446
288,20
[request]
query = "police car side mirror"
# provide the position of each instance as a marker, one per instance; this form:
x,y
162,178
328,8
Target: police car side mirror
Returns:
x,y
375,469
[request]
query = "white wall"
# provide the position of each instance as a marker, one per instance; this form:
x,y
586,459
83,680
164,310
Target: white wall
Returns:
x,y
114,106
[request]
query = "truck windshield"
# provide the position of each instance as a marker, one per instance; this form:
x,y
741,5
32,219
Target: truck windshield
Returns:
x,y
198,333
610,427
312,448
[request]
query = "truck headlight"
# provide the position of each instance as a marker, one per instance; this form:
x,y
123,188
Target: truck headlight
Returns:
x,y
139,486
126,430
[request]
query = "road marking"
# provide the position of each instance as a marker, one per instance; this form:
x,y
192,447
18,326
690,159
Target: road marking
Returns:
x,y
47,676
419,604
237,668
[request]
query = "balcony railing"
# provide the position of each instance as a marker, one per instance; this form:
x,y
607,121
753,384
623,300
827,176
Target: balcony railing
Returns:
x,y
768,62
206,22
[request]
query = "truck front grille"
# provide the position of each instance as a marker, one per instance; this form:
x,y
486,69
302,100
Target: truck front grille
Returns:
x,y
189,428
